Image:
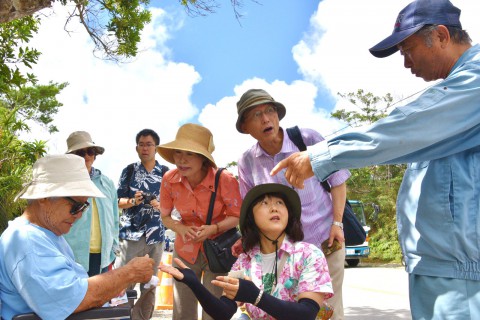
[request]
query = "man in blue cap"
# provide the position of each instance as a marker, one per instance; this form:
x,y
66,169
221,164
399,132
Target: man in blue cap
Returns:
x,y
438,134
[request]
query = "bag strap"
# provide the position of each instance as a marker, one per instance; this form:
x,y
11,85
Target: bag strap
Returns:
x,y
296,136
214,194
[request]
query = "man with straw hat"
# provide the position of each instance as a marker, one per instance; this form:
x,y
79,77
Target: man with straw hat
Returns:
x,y
259,116
38,272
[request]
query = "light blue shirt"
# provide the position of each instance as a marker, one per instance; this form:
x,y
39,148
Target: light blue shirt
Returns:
x,y
438,204
38,273
79,236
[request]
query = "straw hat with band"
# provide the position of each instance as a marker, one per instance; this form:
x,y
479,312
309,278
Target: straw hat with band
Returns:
x,y
63,175
190,137
80,140
253,98
290,194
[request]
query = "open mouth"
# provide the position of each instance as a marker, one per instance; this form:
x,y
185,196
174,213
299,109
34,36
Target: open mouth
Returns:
x,y
268,129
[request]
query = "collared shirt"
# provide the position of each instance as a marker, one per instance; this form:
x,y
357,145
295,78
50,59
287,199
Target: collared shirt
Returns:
x,y
254,168
142,219
305,270
38,273
192,205
438,207
109,220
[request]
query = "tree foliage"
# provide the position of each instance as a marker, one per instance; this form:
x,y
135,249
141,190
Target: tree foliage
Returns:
x,y
115,26
375,185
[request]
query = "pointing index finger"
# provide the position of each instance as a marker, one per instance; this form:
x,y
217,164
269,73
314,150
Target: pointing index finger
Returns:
x,y
281,165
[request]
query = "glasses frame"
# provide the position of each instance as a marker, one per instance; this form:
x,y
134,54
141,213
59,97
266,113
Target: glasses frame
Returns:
x,y
268,111
147,145
83,152
77,206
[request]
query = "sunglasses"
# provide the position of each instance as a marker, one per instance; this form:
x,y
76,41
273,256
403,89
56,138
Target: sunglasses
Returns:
x,y
77,207
83,152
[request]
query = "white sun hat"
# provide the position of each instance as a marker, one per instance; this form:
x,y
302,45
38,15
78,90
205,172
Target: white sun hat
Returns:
x,y
63,175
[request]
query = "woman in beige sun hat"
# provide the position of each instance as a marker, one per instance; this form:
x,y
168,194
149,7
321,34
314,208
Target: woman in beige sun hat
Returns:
x,y
94,238
188,189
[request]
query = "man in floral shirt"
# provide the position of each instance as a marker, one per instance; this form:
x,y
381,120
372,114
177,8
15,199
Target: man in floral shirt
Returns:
x,y
141,228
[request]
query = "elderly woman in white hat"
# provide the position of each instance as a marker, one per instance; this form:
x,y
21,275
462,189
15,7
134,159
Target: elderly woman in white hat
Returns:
x,y
38,272
279,276
188,189
94,238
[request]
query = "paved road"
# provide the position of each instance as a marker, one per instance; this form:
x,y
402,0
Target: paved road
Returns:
x,y
376,293
369,292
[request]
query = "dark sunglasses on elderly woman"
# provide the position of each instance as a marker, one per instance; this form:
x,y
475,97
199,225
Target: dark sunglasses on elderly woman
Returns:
x,y
77,207
83,152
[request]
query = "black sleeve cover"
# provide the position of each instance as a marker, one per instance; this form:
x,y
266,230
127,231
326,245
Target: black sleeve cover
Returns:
x,y
305,308
219,309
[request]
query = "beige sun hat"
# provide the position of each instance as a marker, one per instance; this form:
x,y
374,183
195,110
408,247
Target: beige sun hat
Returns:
x,y
190,137
253,98
63,175
80,140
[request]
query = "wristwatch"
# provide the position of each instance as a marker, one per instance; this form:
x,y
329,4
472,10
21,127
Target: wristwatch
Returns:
x,y
338,224
133,201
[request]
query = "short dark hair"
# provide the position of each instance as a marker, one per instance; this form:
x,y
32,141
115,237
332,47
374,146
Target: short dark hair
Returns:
x,y
250,232
146,133
458,35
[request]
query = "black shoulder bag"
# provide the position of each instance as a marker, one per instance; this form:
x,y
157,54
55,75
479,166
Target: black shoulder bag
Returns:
x,y
219,250
352,228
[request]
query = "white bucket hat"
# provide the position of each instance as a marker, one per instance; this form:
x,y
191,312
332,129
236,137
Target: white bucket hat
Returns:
x,y
63,175
80,140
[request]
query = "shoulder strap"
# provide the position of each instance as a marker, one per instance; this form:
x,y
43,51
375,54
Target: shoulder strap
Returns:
x,y
214,194
296,136
129,173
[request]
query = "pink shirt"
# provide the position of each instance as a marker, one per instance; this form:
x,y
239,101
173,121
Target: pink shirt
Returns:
x,y
193,204
305,270
254,168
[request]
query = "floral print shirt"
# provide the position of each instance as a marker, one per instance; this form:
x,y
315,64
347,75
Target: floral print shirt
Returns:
x,y
141,219
305,270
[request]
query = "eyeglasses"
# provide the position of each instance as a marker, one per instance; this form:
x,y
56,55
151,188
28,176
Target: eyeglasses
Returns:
x,y
83,152
268,111
77,207
147,145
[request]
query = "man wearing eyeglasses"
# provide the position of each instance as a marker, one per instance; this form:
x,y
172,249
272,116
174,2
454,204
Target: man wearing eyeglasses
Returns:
x,y
259,115
94,238
38,272
141,228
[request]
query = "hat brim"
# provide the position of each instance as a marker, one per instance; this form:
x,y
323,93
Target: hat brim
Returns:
x,y
166,150
39,190
388,46
291,195
86,144
281,111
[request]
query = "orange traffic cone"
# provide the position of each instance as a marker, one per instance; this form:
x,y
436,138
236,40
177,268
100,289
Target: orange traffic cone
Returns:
x,y
165,286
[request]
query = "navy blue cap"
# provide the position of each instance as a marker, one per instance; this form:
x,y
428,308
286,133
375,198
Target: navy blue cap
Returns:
x,y
412,18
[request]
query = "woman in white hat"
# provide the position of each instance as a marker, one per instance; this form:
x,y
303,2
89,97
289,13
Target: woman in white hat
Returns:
x,y
188,189
279,276
94,237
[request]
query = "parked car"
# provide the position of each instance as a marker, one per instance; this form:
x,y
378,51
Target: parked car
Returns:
x,y
353,254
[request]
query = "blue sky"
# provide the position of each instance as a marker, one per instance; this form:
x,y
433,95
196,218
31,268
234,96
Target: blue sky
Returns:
x,y
195,69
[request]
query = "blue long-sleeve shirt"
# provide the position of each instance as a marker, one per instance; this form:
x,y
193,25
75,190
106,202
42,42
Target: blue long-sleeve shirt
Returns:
x,y
438,203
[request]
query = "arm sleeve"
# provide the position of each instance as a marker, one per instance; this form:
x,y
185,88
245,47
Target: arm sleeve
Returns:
x,y
305,308
219,309
408,134
122,191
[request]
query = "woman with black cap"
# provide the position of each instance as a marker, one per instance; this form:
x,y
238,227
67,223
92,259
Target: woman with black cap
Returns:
x,y
278,276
